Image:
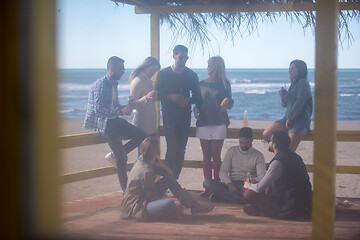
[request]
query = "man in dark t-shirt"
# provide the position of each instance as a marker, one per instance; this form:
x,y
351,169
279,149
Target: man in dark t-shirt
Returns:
x,y
177,87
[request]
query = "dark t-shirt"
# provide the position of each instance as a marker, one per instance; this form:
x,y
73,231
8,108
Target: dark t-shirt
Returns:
x,y
212,94
185,83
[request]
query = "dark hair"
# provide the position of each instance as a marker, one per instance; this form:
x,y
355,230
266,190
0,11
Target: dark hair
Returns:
x,y
149,147
281,139
148,62
113,60
180,48
301,67
245,132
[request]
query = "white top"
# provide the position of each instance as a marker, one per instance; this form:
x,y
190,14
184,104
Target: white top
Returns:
x,y
144,111
273,173
237,163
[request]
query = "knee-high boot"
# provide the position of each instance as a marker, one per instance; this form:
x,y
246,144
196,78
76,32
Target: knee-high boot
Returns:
x,y
207,170
189,202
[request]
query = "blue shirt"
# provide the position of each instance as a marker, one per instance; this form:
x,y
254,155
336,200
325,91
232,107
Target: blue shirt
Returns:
x,y
100,106
299,105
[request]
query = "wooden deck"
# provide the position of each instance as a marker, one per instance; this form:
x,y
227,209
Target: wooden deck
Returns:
x,y
98,218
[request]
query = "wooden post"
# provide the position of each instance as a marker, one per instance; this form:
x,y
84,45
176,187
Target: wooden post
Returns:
x,y
155,51
42,76
323,214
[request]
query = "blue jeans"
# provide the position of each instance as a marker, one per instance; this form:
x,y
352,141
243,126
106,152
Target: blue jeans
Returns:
x,y
115,129
176,135
163,208
220,189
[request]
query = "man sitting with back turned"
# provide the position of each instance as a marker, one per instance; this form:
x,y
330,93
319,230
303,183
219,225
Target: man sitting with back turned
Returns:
x,y
285,191
240,162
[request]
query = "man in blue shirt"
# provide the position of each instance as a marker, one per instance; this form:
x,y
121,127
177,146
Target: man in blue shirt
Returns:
x,y
103,113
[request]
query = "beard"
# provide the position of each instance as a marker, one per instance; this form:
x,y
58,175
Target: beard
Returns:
x,y
270,149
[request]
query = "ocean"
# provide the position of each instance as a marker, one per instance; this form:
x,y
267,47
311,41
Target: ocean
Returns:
x,y
253,90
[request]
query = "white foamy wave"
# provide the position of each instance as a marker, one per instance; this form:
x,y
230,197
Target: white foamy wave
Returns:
x,y
72,110
74,86
346,95
256,92
123,86
257,85
235,80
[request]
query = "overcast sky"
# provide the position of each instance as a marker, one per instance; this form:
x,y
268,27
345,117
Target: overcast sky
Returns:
x,y
91,31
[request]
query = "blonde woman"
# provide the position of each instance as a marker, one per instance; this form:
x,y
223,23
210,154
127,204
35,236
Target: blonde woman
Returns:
x,y
212,118
143,96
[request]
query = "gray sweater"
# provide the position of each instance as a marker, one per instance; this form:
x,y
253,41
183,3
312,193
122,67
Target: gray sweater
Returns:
x,y
237,163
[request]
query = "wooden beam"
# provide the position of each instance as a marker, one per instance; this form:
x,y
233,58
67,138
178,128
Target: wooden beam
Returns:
x,y
85,139
323,207
239,8
106,171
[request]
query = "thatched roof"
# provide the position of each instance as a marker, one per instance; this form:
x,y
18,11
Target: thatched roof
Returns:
x,y
186,18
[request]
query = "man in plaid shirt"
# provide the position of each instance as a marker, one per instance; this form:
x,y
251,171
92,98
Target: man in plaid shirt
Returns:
x,y
103,113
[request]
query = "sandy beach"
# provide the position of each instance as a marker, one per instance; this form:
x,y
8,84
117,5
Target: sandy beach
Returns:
x,y
91,157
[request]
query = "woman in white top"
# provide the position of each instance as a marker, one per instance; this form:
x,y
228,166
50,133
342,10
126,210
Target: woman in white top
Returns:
x,y
142,97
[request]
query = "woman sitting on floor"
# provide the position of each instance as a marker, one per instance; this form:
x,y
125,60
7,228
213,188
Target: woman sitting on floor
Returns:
x,y
142,197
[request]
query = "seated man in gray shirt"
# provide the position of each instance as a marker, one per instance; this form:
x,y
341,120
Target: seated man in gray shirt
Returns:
x,y
240,162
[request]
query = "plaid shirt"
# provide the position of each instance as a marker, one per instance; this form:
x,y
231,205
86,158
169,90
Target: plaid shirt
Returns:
x,y
99,108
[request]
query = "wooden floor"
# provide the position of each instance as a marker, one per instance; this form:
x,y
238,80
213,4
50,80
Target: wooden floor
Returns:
x,y
98,218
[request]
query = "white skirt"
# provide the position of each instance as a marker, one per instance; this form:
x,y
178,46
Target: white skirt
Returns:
x,y
215,132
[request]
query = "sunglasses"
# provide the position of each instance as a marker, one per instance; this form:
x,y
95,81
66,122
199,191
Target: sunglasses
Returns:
x,y
181,57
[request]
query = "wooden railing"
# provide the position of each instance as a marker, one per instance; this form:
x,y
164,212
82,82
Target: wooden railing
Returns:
x,y
85,139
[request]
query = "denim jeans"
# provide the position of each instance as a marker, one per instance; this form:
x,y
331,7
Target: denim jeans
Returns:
x,y
115,129
163,208
220,189
160,209
176,135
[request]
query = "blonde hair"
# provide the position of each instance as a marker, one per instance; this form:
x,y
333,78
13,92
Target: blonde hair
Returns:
x,y
148,62
216,65
149,147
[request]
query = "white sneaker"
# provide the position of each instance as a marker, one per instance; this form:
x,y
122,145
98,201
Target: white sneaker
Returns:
x,y
111,158
169,194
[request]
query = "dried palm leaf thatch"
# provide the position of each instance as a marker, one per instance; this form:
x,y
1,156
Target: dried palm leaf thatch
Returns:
x,y
195,27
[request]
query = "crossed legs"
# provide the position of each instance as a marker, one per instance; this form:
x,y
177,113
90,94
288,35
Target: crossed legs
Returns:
x,y
295,137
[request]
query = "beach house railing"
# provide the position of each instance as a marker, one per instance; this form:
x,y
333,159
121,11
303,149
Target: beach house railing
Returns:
x,y
86,139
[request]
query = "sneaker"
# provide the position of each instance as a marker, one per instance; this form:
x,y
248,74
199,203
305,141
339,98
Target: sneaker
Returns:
x,y
111,158
251,210
169,194
215,198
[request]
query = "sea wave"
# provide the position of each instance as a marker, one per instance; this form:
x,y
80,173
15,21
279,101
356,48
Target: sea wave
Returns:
x,y
75,86
73,110
256,92
347,95
235,80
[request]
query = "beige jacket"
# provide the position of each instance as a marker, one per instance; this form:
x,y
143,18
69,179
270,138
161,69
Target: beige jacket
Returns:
x,y
144,112
139,192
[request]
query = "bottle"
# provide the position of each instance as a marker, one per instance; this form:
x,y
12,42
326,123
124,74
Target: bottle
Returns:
x,y
246,119
248,176
129,100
